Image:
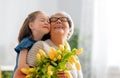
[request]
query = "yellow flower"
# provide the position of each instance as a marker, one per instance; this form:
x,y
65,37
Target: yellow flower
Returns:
x,y
61,47
52,54
52,49
37,76
47,64
38,57
27,76
78,66
68,74
42,53
25,70
59,57
49,67
50,72
79,51
55,59
31,69
72,59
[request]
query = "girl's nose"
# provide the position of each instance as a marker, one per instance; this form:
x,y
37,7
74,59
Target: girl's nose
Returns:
x,y
47,22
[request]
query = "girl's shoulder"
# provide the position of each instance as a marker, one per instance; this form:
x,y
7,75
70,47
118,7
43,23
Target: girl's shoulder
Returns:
x,y
26,43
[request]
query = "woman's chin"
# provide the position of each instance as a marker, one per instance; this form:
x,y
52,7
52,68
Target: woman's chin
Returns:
x,y
59,30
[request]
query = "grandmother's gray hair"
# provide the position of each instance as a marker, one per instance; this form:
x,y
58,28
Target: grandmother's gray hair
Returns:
x,y
70,22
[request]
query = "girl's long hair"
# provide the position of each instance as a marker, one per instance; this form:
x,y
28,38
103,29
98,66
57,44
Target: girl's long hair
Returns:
x,y
25,31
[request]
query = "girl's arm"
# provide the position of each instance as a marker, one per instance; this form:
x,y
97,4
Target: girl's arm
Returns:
x,y
18,73
21,64
22,60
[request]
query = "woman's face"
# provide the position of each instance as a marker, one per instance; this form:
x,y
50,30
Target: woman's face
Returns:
x,y
40,24
59,25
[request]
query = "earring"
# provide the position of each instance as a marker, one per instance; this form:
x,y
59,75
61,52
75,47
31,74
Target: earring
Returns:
x,y
68,36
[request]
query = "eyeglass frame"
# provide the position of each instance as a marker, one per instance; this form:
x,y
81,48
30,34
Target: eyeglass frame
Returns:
x,y
59,18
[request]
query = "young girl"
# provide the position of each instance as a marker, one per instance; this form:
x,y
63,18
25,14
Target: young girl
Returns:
x,y
35,26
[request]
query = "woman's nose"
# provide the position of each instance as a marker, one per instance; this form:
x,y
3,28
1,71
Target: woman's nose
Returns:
x,y
58,21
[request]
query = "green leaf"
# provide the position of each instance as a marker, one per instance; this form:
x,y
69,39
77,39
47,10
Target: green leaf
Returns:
x,y
44,70
53,63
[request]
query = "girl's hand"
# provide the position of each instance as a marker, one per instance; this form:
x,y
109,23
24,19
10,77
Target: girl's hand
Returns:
x,y
19,74
61,74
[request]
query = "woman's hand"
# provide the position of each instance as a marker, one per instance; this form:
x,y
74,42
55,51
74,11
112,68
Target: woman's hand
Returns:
x,y
61,74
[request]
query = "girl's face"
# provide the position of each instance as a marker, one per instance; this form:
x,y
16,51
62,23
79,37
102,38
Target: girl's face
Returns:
x,y
59,25
40,24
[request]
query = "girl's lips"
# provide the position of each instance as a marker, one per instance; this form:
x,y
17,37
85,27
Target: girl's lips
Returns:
x,y
46,27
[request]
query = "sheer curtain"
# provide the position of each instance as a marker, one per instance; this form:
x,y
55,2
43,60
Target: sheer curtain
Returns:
x,y
113,24
106,39
99,49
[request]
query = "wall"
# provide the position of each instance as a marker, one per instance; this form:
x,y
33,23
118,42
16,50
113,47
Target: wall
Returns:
x,y
12,15
74,8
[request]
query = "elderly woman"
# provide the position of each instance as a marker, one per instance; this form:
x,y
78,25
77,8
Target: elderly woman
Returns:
x,y
61,30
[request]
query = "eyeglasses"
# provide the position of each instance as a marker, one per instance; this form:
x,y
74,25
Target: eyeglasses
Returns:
x,y
62,19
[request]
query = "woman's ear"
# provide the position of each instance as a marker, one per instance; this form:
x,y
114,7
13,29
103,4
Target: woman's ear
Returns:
x,y
69,34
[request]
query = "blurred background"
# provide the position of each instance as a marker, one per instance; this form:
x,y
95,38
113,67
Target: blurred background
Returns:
x,y
97,29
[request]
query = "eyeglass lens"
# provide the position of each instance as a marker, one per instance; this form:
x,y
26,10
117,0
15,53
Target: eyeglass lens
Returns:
x,y
62,19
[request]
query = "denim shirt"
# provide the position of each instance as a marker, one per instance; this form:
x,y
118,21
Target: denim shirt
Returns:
x,y
26,43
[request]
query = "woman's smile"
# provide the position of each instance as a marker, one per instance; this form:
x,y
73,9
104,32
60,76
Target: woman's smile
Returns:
x,y
58,27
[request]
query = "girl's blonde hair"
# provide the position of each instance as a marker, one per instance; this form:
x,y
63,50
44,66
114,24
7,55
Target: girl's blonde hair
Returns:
x,y
25,31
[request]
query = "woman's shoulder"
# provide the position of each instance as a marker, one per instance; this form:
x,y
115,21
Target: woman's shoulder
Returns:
x,y
51,44
44,45
31,56
42,42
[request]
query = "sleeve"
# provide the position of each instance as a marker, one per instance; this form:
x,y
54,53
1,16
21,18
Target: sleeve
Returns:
x,y
31,56
26,43
76,73
79,72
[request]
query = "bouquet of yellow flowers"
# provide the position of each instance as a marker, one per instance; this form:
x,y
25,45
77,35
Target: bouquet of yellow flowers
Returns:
x,y
56,60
